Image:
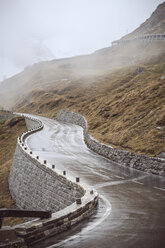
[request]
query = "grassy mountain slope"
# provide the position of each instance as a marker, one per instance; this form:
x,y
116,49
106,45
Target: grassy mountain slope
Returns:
x,y
9,131
119,89
123,108
52,73
153,25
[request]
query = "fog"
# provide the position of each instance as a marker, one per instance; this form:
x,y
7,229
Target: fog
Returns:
x,y
38,30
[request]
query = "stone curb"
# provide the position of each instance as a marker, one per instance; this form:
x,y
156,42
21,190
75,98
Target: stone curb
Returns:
x,y
144,163
38,230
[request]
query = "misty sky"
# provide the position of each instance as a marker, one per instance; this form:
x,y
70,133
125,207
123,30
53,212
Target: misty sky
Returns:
x,y
36,30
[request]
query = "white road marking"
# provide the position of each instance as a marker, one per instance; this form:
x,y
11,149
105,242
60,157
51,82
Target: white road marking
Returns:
x,y
138,182
119,177
101,185
159,188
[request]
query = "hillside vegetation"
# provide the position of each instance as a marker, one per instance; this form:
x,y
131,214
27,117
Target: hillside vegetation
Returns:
x,y
119,89
9,131
46,75
123,108
153,25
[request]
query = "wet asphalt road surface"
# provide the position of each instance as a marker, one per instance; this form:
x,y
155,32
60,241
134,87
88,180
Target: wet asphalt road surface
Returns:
x,y
131,210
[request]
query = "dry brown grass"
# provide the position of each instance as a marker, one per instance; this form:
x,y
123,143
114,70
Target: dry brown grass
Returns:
x,y
9,131
123,108
80,69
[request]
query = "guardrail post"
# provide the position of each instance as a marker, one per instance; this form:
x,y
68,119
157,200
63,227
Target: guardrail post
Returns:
x,y
1,220
77,179
78,201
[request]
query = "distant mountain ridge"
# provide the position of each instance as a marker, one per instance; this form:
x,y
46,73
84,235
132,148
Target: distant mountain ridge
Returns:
x,y
49,74
155,24
119,89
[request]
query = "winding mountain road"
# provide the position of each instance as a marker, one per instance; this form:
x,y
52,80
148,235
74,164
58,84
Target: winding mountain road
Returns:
x,y
131,212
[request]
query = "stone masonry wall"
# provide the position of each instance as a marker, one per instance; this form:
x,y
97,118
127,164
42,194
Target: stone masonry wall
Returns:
x,y
31,124
5,115
143,38
35,186
39,230
141,162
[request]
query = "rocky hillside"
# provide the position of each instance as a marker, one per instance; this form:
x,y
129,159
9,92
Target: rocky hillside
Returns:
x,y
153,25
45,74
120,90
125,109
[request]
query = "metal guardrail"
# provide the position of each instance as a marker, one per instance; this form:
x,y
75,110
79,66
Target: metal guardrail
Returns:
x,y
143,38
4,212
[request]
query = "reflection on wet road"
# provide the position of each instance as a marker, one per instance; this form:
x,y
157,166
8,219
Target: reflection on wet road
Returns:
x,y
131,211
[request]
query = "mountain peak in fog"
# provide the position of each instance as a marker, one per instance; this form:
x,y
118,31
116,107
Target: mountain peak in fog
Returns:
x,y
153,25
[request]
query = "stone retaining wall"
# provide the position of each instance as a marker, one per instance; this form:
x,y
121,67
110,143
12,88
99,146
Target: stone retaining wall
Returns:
x,y
143,38
5,115
153,165
63,220
32,124
34,186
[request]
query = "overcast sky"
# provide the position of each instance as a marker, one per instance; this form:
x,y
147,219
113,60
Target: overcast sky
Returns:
x,y
33,30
